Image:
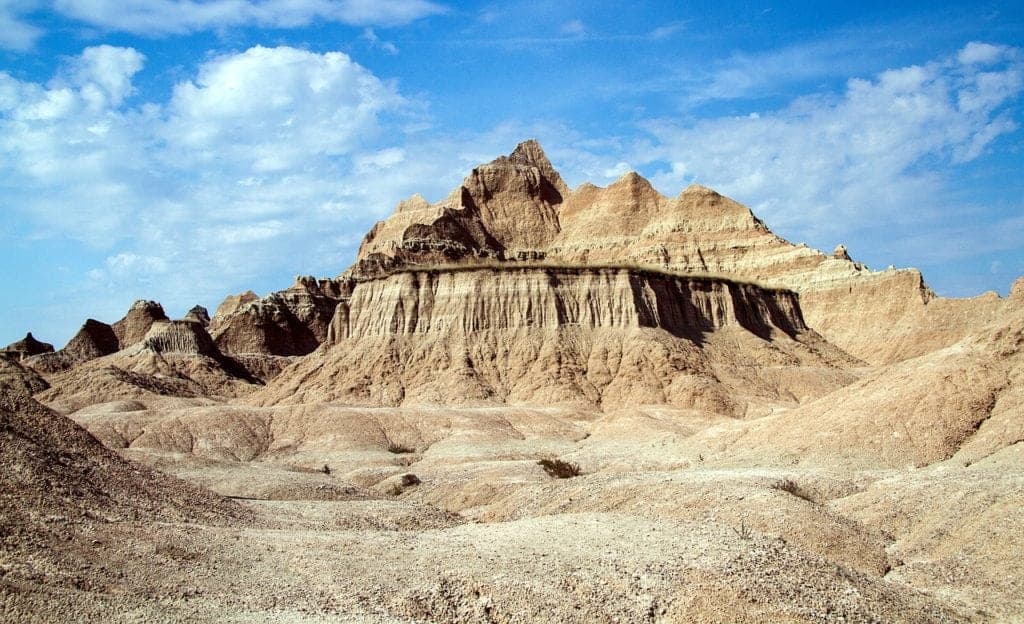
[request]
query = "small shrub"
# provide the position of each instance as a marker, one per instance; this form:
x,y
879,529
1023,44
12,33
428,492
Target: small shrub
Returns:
x,y
326,469
743,531
400,449
560,469
793,488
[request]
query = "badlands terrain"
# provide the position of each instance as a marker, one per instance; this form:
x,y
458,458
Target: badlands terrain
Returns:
x,y
530,403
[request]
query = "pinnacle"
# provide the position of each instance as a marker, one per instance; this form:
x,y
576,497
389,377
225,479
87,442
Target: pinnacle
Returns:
x,y
529,152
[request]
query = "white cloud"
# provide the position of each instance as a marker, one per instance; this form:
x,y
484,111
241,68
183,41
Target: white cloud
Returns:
x,y
162,17
574,28
977,52
666,30
103,75
376,42
827,165
271,109
221,184
16,34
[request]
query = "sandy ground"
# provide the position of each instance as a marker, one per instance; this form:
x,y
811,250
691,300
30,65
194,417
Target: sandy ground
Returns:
x,y
488,536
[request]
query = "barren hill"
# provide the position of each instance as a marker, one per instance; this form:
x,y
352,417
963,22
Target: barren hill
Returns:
x,y
527,402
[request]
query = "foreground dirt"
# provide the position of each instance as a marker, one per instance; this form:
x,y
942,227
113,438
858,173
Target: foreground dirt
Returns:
x,y
495,539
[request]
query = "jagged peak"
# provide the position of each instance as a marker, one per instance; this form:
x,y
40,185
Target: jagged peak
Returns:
x,y
636,183
699,189
146,304
529,152
416,202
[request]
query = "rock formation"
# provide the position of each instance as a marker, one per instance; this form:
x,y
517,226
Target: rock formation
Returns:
x,y
27,346
96,339
198,314
697,232
134,326
286,323
540,335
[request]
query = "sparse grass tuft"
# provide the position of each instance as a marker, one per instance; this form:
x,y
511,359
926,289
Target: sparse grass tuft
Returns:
x,y
744,531
560,469
405,481
793,488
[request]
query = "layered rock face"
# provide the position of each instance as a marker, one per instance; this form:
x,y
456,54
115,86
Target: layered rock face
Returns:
x,y
510,298
286,323
518,208
556,335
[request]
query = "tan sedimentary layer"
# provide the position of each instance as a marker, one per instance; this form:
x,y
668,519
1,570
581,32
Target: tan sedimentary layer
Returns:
x,y
546,298
518,207
604,337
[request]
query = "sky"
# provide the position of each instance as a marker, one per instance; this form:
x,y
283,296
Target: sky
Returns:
x,y
184,150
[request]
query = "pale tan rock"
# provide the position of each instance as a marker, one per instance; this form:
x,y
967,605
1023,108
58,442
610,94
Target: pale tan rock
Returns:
x,y
286,323
878,316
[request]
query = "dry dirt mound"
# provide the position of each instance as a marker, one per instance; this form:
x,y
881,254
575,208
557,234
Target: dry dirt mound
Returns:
x,y
60,482
964,401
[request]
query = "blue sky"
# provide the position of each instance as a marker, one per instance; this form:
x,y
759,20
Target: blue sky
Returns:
x,y
183,150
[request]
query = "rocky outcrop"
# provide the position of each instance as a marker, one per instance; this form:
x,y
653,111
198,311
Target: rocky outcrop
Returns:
x,y
286,323
560,335
135,325
199,314
94,339
26,347
188,337
507,208
518,208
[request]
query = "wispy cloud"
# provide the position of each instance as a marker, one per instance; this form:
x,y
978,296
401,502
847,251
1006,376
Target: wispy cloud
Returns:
x,y
15,33
876,156
370,36
666,31
165,17
573,28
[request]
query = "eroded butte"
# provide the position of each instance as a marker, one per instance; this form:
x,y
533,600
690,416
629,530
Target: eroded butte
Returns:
x,y
529,403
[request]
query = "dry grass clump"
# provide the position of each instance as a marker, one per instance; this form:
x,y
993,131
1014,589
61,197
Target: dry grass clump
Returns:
x,y
400,449
559,468
792,487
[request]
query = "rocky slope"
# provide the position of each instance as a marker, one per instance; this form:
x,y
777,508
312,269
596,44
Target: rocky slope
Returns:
x,y
285,323
173,358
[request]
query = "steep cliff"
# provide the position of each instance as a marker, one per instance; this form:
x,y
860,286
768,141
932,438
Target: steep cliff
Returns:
x,y
562,335
518,208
